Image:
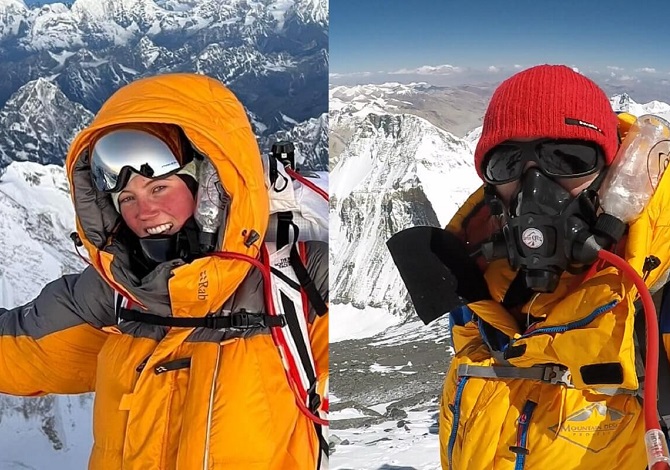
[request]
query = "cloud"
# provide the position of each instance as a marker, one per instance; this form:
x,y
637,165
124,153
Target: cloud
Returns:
x,y
349,75
646,70
493,69
445,69
627,78
614,68
517,66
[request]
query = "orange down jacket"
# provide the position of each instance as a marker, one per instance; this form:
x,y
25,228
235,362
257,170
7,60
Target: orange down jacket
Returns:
x,y
586,328
170,398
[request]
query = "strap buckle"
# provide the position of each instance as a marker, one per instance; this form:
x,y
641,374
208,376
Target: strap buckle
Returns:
x,y
557,375
313,398
244,320
211,321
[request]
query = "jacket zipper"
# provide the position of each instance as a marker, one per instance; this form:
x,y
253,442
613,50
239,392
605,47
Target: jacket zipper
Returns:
x,y
211,406
572,325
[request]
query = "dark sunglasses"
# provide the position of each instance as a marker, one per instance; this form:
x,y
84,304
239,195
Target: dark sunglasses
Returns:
x,y
556,158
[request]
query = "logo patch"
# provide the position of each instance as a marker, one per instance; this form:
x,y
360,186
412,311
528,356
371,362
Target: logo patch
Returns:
x,y
203,283
594,427
579,122
532,238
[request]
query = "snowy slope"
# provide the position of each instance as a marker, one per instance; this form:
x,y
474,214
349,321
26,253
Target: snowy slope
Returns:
x,y
398,171
36,218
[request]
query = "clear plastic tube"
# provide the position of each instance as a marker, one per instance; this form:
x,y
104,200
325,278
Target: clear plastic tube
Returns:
x,y
657,448
211,206
637,168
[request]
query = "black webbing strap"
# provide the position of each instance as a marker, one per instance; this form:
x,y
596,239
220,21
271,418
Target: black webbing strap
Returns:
x,y
296,333
307,283
314,401
323,445
285,278
239,320
284,222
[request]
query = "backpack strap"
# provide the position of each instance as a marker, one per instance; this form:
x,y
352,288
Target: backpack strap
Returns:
x,y
306,282
286,267
284,223
242,320
297,260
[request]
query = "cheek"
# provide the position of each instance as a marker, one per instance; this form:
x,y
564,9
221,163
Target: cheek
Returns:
x,y
129,214
183,207
506,191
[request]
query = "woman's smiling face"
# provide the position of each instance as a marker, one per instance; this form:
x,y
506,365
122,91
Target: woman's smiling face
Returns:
x,y
156,206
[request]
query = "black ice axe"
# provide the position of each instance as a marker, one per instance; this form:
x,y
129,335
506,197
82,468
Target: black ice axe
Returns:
x,y
438,272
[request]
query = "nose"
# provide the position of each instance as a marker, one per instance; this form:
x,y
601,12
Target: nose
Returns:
x,y
529,164
146,209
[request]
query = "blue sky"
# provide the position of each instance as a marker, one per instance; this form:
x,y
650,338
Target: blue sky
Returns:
x,y
610,37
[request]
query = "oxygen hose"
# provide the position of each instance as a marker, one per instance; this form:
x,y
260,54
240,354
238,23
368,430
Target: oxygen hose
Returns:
x,y
297,176
658,457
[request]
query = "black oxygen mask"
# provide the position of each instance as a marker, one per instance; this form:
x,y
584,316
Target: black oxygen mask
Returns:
x,y
544,230
183,244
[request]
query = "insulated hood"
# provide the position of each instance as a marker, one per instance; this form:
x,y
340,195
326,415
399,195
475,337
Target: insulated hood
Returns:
x,y
216,124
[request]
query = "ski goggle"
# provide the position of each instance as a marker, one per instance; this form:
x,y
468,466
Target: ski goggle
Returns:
x,y
118,153
556,158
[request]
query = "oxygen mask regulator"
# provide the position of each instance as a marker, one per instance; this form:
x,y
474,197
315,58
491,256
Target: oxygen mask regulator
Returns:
x,y
547,231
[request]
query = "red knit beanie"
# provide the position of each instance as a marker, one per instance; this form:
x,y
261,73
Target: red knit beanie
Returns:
x,y
548,101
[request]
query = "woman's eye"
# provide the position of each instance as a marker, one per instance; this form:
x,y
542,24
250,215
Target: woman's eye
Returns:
x,y
158,189
125,199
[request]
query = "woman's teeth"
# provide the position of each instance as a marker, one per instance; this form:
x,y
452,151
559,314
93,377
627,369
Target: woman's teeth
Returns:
x,y
159,229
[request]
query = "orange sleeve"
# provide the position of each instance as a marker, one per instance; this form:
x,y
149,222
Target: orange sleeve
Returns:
x,y
62,362
51,344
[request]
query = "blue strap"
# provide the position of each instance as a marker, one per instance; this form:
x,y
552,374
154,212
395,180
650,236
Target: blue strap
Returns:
x,y
522,435
664,314
456,410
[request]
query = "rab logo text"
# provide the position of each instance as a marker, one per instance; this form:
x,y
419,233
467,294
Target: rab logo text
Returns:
x,y
594,427
202,286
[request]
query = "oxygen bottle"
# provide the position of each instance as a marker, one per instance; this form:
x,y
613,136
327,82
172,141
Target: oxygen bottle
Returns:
x,y
637,168
211,205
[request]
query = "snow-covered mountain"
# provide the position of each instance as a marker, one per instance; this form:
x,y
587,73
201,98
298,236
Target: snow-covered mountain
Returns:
x,y
624,103
38,123
397,171
454,109
272,54
311,142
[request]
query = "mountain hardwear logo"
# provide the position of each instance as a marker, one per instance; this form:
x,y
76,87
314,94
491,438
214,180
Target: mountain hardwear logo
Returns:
x,y
593,427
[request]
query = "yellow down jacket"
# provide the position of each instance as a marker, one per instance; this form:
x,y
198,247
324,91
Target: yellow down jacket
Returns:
x,y
580,409
170,398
